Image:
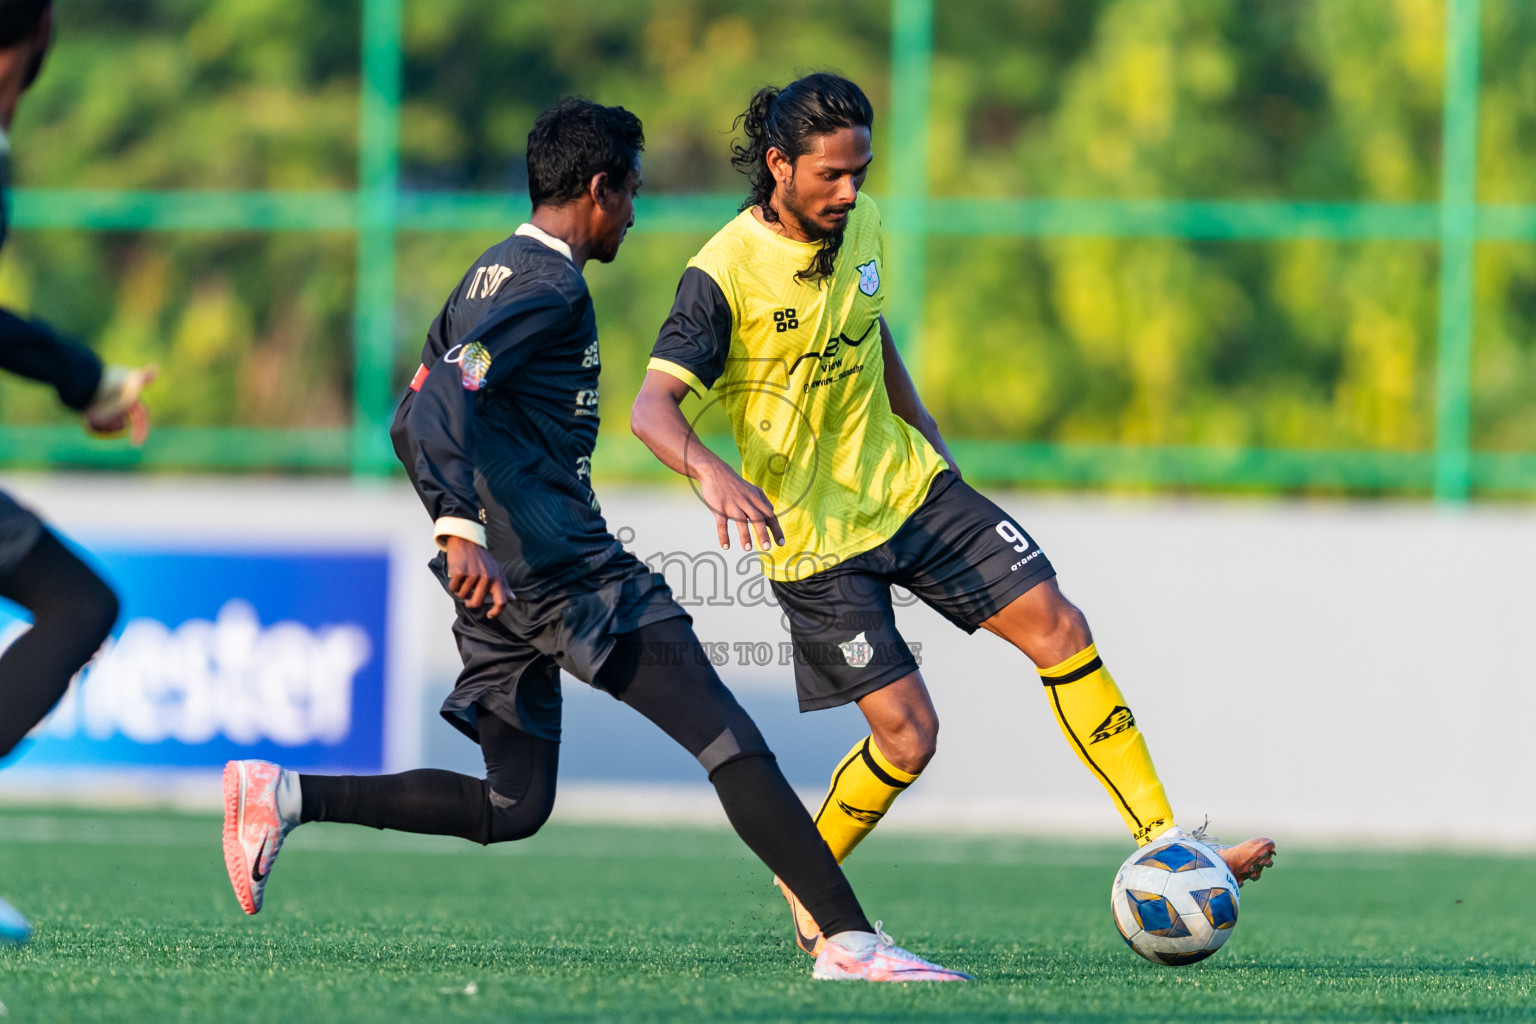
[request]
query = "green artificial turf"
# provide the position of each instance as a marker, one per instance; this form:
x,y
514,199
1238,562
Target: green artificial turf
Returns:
x,y
136,922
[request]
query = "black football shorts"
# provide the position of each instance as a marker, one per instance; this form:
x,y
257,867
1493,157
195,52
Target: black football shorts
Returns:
x,y
959,553
512,664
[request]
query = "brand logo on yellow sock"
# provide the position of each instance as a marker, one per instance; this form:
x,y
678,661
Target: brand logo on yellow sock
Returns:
x,y
859,814
1118,721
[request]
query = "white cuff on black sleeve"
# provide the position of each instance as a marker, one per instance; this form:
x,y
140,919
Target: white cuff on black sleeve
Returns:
x,y
454,526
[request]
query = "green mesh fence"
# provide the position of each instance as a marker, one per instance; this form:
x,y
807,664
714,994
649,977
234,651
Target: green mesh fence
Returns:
x,y
378,212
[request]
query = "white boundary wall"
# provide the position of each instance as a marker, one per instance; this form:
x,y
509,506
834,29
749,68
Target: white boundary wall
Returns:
x,y
1313,670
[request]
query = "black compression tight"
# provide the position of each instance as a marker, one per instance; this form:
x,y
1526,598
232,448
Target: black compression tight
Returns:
x,y
683,696
72,613
512,802
690,704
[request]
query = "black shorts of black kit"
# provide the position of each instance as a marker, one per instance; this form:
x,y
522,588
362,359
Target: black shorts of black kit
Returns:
x,y
512,665
657,668
959,553
72,613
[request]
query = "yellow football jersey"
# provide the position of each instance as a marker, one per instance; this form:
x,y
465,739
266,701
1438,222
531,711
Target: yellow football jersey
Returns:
x,y
798,368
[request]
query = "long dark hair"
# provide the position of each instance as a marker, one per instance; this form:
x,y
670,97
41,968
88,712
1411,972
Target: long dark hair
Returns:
x,y
787,120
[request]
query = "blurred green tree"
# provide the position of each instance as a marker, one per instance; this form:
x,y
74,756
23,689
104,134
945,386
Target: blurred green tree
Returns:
x,y
1291,343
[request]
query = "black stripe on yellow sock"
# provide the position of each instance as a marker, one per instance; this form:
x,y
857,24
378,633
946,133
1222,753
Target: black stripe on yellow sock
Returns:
x,y
1062,717
836,778
877,771
1076,674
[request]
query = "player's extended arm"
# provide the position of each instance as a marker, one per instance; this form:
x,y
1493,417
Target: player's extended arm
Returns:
x,y
904,399
117,407
657,419
108,397
32,349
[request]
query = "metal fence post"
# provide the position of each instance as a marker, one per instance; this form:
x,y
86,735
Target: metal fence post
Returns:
x,y
378,165
1458,216
907,261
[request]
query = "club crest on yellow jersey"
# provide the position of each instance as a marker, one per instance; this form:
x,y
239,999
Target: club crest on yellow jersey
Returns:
x,y
869,277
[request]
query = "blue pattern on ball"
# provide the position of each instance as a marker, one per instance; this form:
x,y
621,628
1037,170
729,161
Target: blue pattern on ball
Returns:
x,y
1174,857
1218,905
1156,915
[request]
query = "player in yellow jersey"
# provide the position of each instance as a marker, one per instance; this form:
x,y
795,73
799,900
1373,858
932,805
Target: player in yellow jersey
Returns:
x,y
847,487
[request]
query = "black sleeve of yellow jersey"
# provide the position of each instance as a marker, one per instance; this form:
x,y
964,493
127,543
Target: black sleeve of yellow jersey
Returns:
x,y
697,334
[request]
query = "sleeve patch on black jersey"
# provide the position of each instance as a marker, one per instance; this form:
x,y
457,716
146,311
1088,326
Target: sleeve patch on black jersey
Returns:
x,y
474,363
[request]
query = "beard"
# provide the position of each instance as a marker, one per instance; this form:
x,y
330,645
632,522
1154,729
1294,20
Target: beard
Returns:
x,y
801,212
823,263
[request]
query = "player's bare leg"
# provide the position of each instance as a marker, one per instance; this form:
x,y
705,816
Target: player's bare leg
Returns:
x,y
1043,624
1053,633
903,722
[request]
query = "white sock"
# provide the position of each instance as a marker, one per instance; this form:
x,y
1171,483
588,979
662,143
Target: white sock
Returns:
x,y
858,943
290,804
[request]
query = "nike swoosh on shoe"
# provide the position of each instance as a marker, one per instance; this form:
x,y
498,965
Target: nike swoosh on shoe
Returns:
x,y
256,873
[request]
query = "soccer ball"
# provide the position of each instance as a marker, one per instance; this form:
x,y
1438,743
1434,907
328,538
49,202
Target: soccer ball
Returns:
x,y
1175,903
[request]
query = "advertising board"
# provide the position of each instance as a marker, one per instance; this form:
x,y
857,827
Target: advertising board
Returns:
x,y
226,654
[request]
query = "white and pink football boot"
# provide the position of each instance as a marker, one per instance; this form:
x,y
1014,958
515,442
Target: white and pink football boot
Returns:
x,y
253,829
880,960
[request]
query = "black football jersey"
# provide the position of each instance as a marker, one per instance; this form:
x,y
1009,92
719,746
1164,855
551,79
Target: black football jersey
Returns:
x,y
501,421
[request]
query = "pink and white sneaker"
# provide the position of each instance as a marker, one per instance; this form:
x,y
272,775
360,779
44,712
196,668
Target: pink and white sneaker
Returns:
x,y
886,961
253,830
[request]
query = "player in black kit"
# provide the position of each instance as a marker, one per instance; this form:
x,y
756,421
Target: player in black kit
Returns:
x,y
72,609
497,434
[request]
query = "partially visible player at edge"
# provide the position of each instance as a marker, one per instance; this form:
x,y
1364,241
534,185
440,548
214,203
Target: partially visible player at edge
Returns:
x,y
72,609
845,471
497,434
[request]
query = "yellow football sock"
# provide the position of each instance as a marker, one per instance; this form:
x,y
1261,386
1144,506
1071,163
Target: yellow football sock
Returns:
x,y
864,786
1091,711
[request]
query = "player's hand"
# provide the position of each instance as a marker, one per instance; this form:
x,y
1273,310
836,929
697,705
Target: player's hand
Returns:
x,y
733,499
117,407
473,575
